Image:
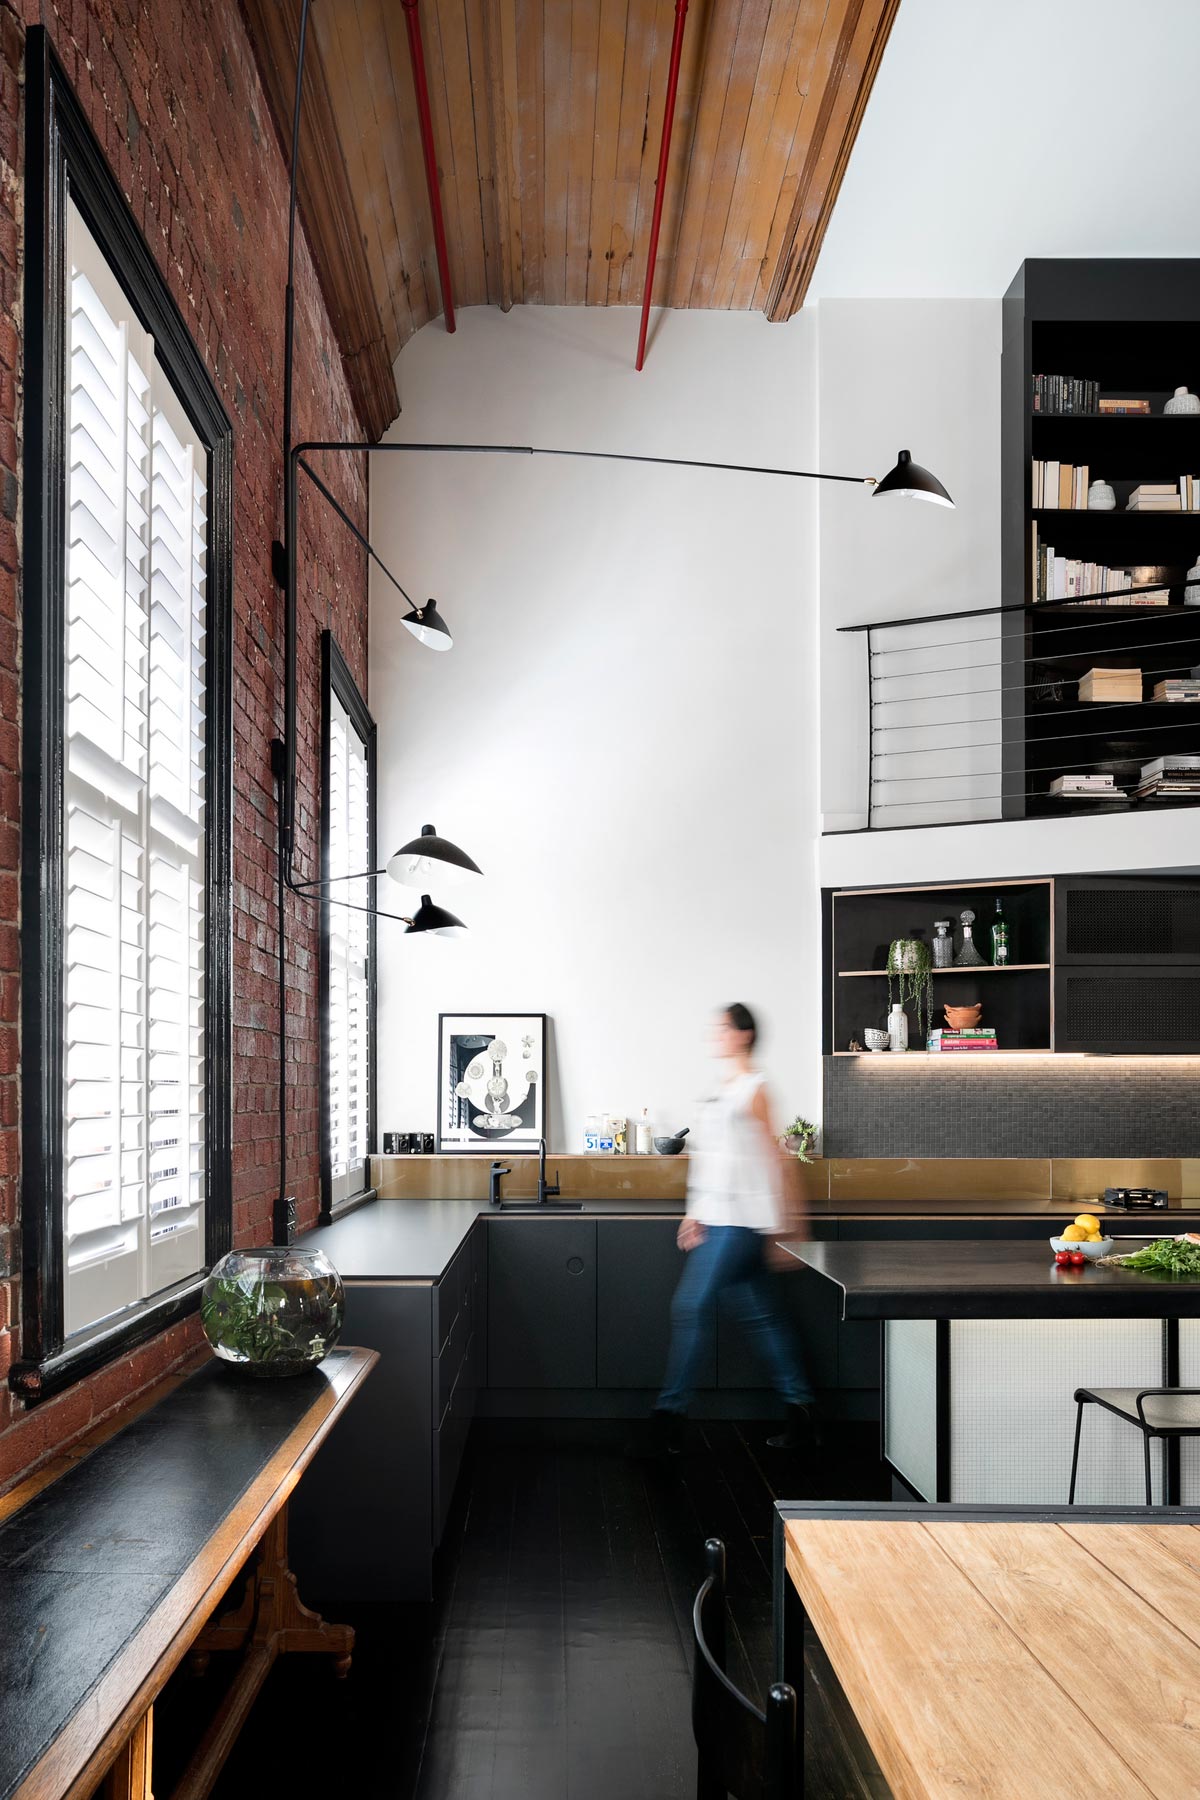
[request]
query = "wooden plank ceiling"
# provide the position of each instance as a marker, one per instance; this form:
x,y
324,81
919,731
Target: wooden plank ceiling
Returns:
x,y
547,117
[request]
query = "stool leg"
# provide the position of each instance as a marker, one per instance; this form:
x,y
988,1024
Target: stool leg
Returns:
x,y
1075,1457
1146,1449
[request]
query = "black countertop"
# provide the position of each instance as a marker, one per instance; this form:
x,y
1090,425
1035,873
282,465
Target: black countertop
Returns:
x,y
991,1279
417,1240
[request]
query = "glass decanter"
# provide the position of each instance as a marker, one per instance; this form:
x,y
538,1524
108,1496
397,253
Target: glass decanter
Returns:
x,y
968,956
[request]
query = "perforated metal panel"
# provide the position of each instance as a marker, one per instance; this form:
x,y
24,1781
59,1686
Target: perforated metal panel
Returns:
x,y
1132,921
1106,1010
1013,1416
1189,1376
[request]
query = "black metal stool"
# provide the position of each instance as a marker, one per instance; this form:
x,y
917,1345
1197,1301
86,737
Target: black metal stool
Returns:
x,y
1171,1413
743,1753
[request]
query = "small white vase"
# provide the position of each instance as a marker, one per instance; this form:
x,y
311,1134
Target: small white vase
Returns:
x,y
1101,497
897,1028
1182,402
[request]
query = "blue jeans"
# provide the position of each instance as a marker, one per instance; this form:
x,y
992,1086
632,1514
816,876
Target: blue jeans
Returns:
x,y
730,1258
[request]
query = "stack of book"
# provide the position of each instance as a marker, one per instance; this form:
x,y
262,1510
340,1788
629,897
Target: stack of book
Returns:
x,y
1189,493
1065,394
1167,776
1111,684
1096,787
1155,496
1180,687
1130,408
978,1037
1060,484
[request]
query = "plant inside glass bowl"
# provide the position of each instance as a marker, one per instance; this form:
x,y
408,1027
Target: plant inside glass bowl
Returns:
x,y
273,1311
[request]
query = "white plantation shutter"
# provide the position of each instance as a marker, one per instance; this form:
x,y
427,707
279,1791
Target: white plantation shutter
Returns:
x,y
349,1023
133,1178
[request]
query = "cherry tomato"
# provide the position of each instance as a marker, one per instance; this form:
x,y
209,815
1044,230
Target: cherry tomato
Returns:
x,y
1077,1259
1062,1258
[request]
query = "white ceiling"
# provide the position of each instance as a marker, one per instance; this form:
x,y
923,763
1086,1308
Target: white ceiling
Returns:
x,y
1028,128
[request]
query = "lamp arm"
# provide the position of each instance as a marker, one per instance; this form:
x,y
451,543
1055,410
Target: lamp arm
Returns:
x,y
344,516
359,447
300,887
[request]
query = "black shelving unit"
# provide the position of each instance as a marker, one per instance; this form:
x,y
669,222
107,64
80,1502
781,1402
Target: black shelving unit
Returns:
x,y
1133,326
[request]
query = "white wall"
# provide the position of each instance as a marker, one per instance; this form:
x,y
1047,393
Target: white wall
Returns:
x,y
1031,128
624,735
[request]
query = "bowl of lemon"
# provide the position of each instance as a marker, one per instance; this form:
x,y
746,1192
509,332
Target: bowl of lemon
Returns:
x,y
1083,1237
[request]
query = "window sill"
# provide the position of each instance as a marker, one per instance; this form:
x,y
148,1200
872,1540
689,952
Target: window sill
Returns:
x,y
349,1205
36,1380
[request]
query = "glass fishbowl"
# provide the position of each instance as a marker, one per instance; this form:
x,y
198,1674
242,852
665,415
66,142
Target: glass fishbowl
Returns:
x,y
273,1311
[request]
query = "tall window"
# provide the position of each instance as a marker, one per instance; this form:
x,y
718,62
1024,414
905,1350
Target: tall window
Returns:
x,y
348,937
125,869
133,809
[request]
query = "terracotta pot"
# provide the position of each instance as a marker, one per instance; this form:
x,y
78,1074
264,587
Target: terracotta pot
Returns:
x,y
961,1018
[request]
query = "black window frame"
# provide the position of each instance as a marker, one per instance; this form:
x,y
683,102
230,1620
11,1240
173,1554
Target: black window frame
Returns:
x,y
336,678
64,160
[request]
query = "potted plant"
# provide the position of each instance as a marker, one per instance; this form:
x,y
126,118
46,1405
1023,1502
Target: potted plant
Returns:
x,y
797,1139
910,979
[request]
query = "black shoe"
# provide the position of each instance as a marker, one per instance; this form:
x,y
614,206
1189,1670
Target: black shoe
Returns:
x,y
664,1439
800,1432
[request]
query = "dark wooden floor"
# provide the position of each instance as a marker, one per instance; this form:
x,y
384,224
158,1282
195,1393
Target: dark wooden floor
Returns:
x,y
555,1662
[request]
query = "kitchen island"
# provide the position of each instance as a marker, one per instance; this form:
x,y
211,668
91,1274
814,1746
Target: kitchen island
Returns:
x,y
984,1344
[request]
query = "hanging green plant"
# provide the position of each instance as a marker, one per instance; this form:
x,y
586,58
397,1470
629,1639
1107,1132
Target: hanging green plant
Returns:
x,y
910,979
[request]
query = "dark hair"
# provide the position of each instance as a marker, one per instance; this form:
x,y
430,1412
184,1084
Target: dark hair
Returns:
x,y
742,1019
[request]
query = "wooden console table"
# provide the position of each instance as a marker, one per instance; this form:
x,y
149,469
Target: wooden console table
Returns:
x,y
112,1570
1004,1651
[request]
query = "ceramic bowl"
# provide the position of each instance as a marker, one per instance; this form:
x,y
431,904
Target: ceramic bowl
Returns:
x,y
961,1018
875,1039
1091,1251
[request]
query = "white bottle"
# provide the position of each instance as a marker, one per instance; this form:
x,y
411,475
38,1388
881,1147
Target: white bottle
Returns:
x,y
897,1028
644,1136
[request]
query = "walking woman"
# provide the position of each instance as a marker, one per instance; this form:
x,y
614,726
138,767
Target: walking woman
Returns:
x,y
735,1209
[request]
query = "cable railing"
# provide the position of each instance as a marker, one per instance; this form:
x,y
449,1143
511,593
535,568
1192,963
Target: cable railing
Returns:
x,y
980,714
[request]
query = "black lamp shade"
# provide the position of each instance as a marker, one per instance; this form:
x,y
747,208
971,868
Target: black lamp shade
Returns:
x,y
428,627
911,482
430,855
435,919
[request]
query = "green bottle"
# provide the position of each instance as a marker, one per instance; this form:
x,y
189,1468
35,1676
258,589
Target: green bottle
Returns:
x,y
1000,935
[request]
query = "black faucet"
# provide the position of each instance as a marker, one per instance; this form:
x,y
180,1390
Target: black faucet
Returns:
x,y
547,1190
497,1170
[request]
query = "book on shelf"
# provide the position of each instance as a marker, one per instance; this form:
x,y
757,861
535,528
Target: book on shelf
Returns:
x,y
1152,496
1065,394
1097,786
1111,684
1189,493
1139,409
1178,689
1059,485
1181,762
961,1046
1166,787
946,1032
1088,583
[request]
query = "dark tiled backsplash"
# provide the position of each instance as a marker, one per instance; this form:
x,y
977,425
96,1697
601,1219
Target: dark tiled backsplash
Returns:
x,y
1061,1107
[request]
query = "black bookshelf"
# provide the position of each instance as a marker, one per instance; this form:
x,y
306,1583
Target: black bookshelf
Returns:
x,y
1133,327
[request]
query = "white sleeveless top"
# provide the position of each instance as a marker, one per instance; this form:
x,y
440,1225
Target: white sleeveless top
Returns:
x,y
733,1170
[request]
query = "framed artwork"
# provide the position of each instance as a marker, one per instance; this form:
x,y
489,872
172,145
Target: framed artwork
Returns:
x,y
491,1082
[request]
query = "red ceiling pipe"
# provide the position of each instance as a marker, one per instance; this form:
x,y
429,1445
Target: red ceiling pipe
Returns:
x,y
431,170
664,152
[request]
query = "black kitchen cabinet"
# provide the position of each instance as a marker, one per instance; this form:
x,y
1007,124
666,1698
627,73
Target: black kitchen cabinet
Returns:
x,y
638,1268
541,1303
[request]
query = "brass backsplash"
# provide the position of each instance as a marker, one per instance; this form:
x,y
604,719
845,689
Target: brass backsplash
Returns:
x,y
837,1185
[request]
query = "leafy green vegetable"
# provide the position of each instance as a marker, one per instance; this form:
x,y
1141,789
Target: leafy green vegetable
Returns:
x,y
1174,1255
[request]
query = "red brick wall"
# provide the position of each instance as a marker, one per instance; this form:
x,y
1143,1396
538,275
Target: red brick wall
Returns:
x,y
173,94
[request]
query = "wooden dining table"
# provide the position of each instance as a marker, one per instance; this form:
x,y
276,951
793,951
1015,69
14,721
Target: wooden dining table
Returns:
x,y
1011,1652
